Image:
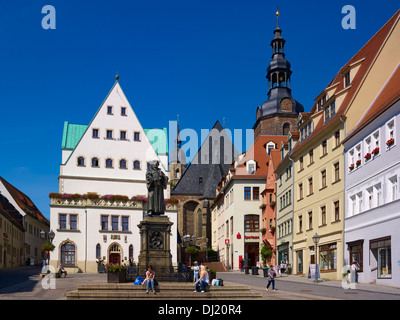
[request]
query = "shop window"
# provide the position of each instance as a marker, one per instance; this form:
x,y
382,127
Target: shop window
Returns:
x,y
328,257
381,257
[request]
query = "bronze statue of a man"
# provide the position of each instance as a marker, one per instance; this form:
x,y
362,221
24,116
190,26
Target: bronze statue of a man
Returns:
x,y
156,182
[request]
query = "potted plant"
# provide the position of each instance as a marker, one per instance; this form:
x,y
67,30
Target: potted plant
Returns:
x,y
116,273
367,156
358,163
272,229
263,206
263,230
351,167
375,151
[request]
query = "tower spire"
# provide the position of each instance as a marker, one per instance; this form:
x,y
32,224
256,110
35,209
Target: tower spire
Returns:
x,y
277,17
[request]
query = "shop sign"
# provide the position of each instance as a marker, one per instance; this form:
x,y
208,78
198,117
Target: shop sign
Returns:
x,y
251,237
238,236
226,241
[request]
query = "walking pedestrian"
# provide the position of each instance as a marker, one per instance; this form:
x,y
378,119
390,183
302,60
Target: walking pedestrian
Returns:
x,y
242,265
271,278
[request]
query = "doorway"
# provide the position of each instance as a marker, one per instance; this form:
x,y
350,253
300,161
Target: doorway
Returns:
x,y
115,253
252,250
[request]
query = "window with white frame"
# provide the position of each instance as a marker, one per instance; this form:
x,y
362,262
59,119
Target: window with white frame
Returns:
x,y
376,144
353,205
393,188
370,194
378,194
367,149
359,202
390,132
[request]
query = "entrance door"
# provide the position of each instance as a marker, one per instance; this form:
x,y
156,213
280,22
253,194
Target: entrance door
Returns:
x,y
252,251
115,258
115,254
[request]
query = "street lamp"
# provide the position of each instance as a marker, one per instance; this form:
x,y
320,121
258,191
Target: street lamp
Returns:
x,y
315,239
51,235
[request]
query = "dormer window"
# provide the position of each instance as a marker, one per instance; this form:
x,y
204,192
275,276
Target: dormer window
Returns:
x,y
251,167
347,79
330,111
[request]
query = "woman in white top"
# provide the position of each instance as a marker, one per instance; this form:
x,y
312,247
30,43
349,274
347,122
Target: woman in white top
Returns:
x,y
203,281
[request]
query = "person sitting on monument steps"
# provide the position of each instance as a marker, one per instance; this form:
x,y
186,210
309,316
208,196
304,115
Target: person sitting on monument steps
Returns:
x,y
203,281
150,275
156,182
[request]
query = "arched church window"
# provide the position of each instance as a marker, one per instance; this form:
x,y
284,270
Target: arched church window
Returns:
x,y
286,129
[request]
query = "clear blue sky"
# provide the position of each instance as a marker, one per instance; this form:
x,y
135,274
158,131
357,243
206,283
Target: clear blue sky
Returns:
x,y
203,60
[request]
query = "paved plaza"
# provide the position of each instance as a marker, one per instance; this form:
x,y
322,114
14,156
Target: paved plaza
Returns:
x,y
25,284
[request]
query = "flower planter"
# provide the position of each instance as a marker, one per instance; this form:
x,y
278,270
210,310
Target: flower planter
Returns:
x,y
390,142
101,269
351,167
116,276
358,163
367,156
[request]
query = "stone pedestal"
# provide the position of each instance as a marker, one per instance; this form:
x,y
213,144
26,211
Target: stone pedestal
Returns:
x,y
155,232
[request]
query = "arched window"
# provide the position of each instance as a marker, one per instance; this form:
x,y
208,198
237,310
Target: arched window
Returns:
x,y
68,254
95,162
136,164
131,252
109,163
81,161
122,164
286,128
98,251
199,223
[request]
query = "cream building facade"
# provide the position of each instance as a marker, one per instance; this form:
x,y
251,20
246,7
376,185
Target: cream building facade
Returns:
x,y
102,187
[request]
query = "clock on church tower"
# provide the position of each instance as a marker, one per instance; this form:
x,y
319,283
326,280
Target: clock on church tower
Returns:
x,y
286,105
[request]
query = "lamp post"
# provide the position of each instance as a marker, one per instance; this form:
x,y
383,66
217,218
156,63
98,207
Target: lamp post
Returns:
x,y
315,239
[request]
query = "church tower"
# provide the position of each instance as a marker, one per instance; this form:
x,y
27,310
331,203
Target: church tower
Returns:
x,y
177,160
278,115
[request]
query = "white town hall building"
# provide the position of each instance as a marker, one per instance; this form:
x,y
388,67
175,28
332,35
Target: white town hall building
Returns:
x,y
102,187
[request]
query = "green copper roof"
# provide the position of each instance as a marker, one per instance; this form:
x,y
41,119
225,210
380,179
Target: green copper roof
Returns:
x,y
73,133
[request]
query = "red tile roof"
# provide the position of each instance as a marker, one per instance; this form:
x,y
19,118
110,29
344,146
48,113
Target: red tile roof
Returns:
x,y
366,56
389,94
24,202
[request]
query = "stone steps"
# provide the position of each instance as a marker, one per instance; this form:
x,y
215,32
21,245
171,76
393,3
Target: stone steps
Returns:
x,y
164,291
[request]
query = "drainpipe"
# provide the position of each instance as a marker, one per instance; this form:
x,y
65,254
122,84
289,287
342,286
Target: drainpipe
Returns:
x,y
85,239
291,225
344,193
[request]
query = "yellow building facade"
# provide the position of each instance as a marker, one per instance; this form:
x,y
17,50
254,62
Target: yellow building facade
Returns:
x,y
319,204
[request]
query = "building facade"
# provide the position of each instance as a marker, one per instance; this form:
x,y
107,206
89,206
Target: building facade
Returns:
x,y
319,166
21,215
285,200
372,178
102,187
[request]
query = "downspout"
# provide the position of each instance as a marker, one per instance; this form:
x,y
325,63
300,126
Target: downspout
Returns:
x,y
291,225
85,239
344,193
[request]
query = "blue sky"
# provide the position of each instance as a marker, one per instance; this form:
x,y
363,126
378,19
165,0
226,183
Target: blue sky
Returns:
x,y
204,60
